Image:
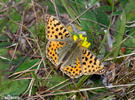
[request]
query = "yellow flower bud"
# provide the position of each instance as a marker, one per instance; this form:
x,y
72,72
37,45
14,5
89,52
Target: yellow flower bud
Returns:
x,y
84,41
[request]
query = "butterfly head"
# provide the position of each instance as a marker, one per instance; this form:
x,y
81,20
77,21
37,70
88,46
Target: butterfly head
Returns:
x,y
82,40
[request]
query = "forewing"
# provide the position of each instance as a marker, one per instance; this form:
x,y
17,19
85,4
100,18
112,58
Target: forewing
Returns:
x,y
51,51
90,63
55,30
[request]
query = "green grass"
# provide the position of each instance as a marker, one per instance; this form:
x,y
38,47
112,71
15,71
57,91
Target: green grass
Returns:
x,y
25,72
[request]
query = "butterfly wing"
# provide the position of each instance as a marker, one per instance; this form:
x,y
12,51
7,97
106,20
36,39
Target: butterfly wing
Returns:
x,y
55,30
51,51
90,63
57,35
72,67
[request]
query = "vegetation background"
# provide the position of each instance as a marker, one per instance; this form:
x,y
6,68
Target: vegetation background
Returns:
x,y
26,73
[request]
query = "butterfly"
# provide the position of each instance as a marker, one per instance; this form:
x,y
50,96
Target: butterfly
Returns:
x,y
68,52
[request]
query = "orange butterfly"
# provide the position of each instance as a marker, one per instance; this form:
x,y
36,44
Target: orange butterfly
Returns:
x,y
69,52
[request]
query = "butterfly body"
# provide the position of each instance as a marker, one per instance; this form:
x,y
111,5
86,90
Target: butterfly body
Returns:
x,y
62,50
